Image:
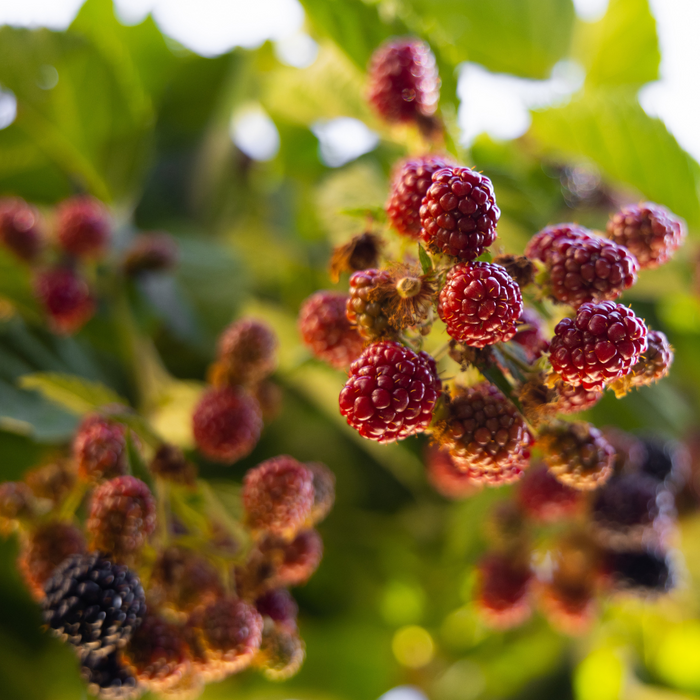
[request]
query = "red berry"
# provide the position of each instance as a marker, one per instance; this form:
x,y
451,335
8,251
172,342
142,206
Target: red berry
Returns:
x,y
577,454
281,654
99,448
600,345
655,363
529,335
278,495
82,226
540,245
446,477
157,654
279,605
503,591
545,499
324,491
459,213
16,504
403,80
52,481
248,348
650,232
150,252
574,399
569,606
411,180
45,548
326,330
122,516
480,303
367,316
301,558
226,424
486,435
390,393
20,228
66,298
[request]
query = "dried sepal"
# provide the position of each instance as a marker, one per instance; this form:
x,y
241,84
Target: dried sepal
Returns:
x,y
360,253
520,268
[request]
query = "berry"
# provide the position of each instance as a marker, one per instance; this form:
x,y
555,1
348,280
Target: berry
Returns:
x,y
459,213
157,654
66,298
446,477
20,228
666,461
367,316
229,631
546,500
485,435
169,463
653,365
294,561
326,330
45,548
589,268
278,495
600,345
503,589
324,491
577,454
281,653
640,572
411,180
82,227
93,603
150,252
248,350
189,687
108,679
226,424
540,245
480,303
52,481
528,334
574,399
569,606
16,504
122,516
390,393
650,232
403,81
279,605
183,581
99,448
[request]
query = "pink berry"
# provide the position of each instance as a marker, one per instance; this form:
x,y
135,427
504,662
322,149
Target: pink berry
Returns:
x,y
20,228
66,298
83,227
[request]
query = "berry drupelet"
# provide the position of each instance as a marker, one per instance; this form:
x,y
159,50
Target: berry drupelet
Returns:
x,y
574,399
368,316
403,81
93,603
480,303
411,180
66,298
82,227
226,424
459,213
20,229
649,231
390,393
326,331
600,345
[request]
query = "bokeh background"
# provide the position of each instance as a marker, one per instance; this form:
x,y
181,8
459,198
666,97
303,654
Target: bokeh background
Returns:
x,y
241,128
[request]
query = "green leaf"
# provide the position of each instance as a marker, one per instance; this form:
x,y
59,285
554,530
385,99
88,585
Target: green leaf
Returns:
x,y
522,37
16,286
425,262
613,131
622,48
74,393
376,213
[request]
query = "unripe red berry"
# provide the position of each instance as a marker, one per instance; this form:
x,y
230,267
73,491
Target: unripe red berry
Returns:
x,y
411,180
600,345
150,252
367,316
326,331
459,213
574,399
20,229
577,454
226,424
403,80
248,349
281,654
390,393
52,481
544,499
66,298
44,549
16,504
122,516
294,561
654,364
569,606
279,605
480,303
503,591
82,226
99,448
540,245
446,477
278,495
650,232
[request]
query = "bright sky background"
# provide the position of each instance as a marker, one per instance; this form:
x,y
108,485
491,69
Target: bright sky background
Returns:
x,y
495,103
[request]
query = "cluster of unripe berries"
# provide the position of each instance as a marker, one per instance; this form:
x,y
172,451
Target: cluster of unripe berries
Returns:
x,y
80,237
159,586
563,549
394,389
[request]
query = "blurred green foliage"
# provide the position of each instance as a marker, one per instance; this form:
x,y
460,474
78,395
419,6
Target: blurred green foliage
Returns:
x,y
144,124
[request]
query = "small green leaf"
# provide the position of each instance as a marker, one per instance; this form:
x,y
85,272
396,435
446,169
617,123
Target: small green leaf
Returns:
x,y
425,262
74,393
376,213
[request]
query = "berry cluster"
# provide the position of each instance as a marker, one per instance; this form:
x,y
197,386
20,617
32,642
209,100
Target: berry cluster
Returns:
x,y
159,586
